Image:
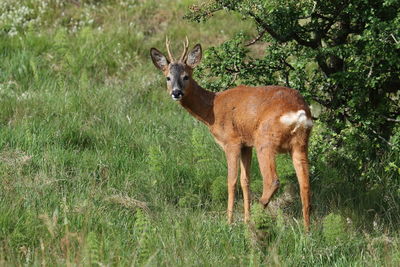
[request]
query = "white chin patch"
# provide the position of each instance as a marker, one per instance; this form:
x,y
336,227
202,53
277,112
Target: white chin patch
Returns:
x,y
176,98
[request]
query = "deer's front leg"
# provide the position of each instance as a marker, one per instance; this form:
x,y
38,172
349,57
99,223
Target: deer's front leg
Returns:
x,y
232,156
245,164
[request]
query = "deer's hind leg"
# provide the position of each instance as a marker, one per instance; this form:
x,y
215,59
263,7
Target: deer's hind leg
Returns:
x,y
266,159
300,162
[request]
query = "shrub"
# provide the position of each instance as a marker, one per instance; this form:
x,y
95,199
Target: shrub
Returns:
x,y
342,57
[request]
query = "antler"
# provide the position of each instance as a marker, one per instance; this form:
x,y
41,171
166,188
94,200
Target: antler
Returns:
x,y
167,43
185,50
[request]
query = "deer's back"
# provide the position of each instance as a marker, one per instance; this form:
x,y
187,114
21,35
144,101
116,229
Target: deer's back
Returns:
x,y
247,115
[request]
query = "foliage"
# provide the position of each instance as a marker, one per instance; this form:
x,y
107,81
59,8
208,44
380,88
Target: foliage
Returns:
x,y
343,56
326,50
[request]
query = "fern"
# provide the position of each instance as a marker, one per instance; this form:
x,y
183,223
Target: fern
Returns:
x,y
143,232
92,249
155,159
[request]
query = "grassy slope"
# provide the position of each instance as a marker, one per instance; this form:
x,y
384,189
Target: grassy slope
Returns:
x,y
87,131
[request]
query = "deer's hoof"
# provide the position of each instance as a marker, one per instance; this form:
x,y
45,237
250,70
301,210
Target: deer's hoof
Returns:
x,y
264,202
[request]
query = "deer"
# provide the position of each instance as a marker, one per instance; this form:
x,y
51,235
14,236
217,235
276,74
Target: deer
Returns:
x,y
272,119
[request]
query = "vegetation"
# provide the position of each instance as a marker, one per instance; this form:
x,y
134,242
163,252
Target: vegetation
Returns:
x,y
344,58
98,166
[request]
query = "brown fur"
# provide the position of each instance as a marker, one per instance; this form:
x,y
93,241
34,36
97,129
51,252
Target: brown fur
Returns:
x,y
244,117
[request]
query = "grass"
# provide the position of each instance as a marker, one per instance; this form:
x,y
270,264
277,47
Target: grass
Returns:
x,y
98,166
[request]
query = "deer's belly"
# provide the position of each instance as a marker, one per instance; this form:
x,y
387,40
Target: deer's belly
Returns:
x,y
233,136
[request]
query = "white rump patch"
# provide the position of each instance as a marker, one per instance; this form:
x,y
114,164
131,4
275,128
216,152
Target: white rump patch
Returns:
x,y
299,118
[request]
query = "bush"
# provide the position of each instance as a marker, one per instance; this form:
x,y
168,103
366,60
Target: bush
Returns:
x,y
342,57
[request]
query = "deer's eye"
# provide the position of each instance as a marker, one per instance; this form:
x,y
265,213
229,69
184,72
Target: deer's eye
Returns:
x,y
168,78
185,77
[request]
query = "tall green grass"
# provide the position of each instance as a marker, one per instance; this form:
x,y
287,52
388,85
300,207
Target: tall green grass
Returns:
x,y
98,166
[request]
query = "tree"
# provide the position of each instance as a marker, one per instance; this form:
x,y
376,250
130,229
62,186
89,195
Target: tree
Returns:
x,y
342,55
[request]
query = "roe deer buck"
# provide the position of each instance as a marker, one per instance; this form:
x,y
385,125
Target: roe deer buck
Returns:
x,y
273,119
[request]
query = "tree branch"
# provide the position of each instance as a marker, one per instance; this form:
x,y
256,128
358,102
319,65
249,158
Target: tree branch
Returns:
x,y
259,36
313,43
287,64
393,120
280,38
381,137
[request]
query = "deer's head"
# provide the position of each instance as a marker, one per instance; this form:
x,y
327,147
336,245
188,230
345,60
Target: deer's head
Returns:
x,y
177,72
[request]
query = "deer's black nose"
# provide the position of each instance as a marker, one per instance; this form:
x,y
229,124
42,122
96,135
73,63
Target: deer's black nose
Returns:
x,y
176,94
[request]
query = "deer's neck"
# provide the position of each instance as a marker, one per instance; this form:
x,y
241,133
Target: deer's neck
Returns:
x,y
199,103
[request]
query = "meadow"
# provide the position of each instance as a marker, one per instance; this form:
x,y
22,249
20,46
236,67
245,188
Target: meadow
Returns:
x,y
98,166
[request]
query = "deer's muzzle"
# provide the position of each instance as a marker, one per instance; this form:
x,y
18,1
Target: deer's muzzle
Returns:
x,y
176,94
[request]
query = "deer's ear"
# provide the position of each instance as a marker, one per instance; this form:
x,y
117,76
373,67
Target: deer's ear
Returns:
x,y
159,60
194,56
